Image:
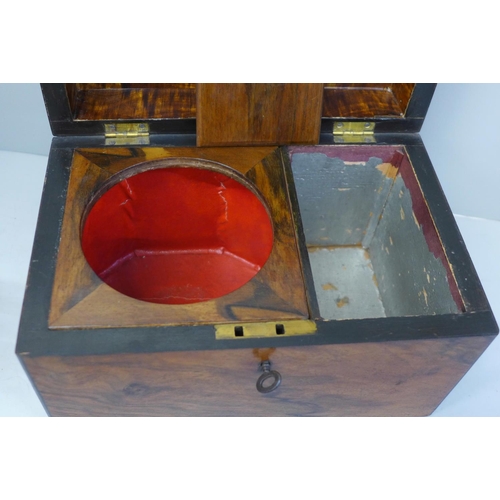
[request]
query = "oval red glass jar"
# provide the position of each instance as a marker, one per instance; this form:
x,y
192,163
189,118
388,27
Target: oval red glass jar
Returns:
x,y
177,231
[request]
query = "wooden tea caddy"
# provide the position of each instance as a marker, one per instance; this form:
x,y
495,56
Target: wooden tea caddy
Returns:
x,y
361,298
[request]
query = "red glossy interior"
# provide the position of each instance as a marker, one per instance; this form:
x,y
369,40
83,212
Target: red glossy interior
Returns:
x,y
177,235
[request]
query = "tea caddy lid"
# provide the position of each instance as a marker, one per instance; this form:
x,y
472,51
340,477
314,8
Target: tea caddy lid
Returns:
x,y
236,114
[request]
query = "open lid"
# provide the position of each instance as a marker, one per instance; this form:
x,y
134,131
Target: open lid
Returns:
x,y
236,114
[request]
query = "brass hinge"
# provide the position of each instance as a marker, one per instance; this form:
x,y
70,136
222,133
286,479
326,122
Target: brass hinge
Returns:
x,y
126,133
353,132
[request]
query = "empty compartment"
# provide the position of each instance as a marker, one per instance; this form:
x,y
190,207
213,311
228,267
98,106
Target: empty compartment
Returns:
x,y
177,231
372,245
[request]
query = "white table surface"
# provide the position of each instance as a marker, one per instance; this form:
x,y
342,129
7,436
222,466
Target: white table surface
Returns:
x,y
21,182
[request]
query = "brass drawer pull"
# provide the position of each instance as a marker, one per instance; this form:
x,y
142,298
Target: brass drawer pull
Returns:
x,y
268,374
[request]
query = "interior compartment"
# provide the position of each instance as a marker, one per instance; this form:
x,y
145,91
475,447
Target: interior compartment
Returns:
x,y
236,222
373,247
177,231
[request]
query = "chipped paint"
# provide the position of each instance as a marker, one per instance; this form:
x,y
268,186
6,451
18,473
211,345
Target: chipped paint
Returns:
x,y
221,194
390,239
329,286
389,170
428,225
415,219
411,266
349,271
402,213
342,302
319,248
128,188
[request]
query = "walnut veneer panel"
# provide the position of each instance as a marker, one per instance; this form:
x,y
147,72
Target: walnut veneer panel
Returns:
x,y
121,101
366,100
258,113
405,378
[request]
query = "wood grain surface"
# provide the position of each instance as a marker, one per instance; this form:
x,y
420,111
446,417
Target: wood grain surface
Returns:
x,y
80,299
125,101
242,114
404,378
403,93
369,100
258,113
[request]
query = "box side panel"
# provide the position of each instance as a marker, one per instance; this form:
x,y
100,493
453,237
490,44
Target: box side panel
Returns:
x,y
406,378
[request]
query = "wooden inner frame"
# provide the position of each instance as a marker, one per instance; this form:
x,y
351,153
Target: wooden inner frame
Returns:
x,y
81,300
155,101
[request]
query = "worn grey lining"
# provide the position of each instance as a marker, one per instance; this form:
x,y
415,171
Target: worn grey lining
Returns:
x,y
368,254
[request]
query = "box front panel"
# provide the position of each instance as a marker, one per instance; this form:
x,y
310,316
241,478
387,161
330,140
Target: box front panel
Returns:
x,y
408,378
